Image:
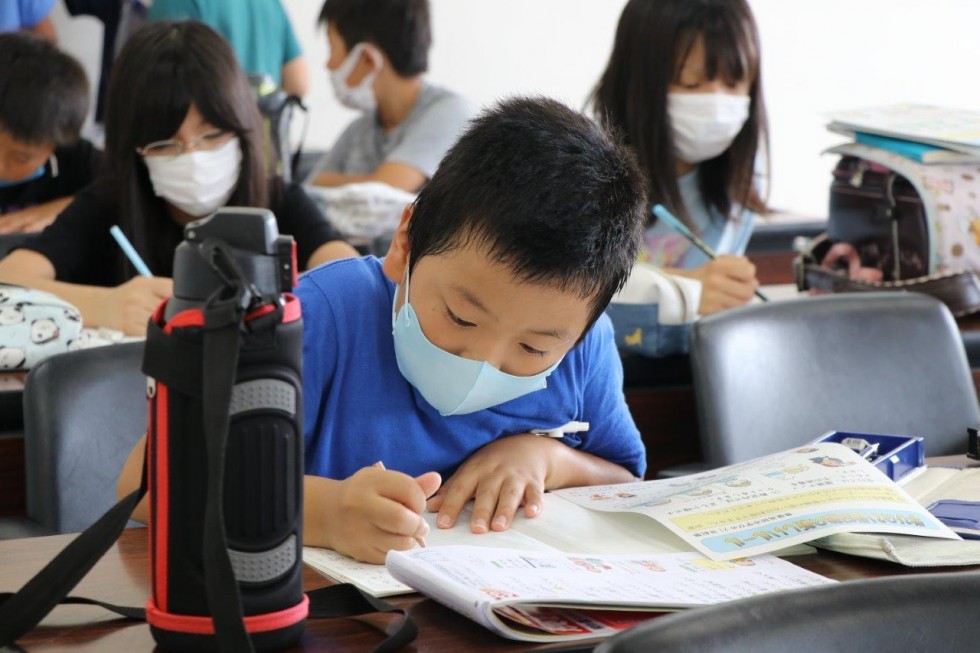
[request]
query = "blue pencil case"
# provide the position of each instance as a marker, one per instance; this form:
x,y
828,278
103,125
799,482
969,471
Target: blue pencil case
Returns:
x,y
896,456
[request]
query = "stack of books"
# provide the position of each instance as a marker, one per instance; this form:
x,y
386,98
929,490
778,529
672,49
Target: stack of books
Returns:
x,y
924,133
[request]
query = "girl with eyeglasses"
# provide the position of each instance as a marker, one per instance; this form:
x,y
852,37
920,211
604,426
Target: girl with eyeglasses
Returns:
x,y
184,138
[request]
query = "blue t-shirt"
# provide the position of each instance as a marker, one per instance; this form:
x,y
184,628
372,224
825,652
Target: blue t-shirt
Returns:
x,y
359,409
23,14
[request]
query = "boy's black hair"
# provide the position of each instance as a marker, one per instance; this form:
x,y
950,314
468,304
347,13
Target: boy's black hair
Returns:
x,y
399,27
44,94
543,190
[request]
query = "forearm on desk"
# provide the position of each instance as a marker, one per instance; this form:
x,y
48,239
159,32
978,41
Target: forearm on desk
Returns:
x,y
570,467
88,299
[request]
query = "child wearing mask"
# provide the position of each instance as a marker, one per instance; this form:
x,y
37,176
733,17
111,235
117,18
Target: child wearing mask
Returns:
x,y
683,87
483,323
43,104
379,50
183,139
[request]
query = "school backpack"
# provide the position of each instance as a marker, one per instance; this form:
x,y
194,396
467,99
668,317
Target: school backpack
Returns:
x,y
278,109
897,224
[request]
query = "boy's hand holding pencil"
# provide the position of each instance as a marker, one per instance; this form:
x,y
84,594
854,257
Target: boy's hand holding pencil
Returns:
x,y
369,513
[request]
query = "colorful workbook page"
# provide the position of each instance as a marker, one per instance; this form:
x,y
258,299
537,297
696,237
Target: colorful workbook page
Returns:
x,y
770,503
544,596
955,129
934,487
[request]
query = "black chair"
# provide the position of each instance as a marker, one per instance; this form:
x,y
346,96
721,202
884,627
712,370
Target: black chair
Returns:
x,y
83,413
913,614
773,376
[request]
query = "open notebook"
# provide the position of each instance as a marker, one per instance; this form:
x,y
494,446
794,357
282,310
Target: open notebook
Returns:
x,y
772,504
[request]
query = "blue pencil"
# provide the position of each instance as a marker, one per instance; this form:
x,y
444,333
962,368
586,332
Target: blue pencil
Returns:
x,y
681,228
130,251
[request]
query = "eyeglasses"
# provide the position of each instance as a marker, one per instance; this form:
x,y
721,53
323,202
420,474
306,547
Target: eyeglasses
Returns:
x,y
174,147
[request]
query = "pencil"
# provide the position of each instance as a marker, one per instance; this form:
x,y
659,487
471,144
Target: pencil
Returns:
x,y
419,539
130,251
681,228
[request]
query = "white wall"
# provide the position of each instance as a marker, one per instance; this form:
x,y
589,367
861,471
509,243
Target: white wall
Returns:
x,y
818,55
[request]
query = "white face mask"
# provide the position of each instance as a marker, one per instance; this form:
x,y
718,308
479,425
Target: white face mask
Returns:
x,y
360,97
198,182
705,124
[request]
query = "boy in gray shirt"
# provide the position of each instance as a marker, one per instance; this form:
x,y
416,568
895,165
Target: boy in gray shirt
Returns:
x,y
378,54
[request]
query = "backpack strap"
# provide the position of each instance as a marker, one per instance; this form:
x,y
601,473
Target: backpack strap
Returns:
x,y
20,612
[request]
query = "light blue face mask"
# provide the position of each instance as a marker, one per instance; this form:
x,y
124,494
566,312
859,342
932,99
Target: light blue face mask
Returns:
x,y
31,177
452,384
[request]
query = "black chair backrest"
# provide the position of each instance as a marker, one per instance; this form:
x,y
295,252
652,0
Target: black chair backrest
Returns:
x,y
773,376
83,413
912,614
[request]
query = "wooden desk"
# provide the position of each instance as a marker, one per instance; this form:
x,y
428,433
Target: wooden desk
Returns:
x,y
122,577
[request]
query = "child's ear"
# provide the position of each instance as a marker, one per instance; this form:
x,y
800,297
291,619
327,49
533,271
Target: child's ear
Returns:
x,y
396,261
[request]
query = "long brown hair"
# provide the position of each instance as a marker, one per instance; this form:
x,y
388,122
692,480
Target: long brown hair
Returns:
x,y
163,69
653,40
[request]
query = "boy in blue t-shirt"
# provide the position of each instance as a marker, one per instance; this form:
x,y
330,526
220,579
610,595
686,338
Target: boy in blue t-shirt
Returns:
x,y
483,324
495,329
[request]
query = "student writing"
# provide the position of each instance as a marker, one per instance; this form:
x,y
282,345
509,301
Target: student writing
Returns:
x,y
183,138
44,99
379,51
484,322
682,84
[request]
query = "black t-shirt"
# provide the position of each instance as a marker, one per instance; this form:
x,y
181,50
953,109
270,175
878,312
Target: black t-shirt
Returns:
x,y
73,168
82,250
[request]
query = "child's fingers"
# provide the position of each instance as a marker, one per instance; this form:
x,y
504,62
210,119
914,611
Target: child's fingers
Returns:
x,y
401,488
737,267
485,504
429,483
533,500
455,495
509,499
373,549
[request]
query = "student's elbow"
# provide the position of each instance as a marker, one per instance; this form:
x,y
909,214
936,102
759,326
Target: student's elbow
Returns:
x,y
23,265
296,77
331,251
45,30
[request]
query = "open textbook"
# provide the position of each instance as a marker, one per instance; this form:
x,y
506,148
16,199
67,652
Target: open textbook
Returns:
x,y
542,596
763,505
937,485
561,527
772,504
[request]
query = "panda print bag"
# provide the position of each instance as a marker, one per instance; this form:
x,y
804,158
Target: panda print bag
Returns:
x,y
34,325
